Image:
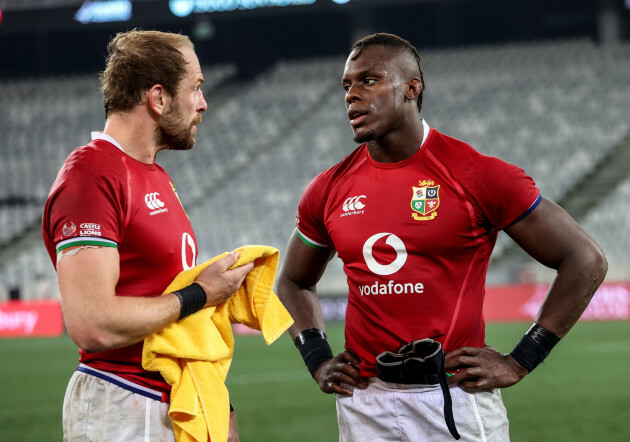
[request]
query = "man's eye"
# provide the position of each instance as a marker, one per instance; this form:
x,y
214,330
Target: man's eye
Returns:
x,y
370,81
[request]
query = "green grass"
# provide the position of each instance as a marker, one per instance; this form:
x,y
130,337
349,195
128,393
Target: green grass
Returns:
x,y
33,378
579,394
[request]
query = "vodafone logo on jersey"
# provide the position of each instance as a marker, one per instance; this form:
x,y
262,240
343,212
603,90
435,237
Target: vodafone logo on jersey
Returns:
x,y
390,287
393,241
353,206
189,252
154,203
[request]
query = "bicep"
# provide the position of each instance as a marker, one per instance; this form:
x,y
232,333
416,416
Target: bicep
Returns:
x,y
87,283
549,234
304,265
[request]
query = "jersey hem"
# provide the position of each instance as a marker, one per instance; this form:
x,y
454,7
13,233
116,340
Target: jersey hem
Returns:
x,y
124,383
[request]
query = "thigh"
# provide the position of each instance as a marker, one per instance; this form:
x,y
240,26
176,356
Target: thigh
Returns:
x,y
384,412
490,413
479,416
367,416
97,410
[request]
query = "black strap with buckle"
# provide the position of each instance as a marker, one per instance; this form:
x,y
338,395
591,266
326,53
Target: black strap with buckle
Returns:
x,y
419,362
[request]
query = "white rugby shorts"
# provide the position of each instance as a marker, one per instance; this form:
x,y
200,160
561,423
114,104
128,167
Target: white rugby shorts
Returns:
x,y
98,410
387,412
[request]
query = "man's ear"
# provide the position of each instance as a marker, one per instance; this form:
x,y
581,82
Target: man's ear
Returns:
x,y
414,87
157,99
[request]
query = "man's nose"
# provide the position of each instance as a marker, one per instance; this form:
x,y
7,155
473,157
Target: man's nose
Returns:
x,y
203,106
352,94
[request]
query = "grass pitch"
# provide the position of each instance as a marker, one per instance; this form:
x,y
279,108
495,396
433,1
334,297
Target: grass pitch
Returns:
x,y
579,394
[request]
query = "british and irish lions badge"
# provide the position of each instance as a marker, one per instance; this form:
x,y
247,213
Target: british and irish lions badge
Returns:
x,y
425,200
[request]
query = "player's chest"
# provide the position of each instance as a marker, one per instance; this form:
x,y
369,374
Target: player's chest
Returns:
x,y
155,221
424,209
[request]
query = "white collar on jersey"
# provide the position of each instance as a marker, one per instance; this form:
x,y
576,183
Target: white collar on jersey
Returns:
x,y
426,130
103,136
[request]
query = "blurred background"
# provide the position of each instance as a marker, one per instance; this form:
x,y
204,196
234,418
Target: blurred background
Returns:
x,y
541,84
544,85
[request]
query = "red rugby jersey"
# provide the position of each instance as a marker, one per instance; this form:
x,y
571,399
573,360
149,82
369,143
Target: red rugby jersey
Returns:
x,y
102,196
415,238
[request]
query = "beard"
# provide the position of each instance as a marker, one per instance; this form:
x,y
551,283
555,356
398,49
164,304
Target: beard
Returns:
x,y
172,133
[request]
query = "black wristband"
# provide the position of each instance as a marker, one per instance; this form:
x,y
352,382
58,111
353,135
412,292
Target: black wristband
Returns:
x,y
534,347
192,299
314,348
308,334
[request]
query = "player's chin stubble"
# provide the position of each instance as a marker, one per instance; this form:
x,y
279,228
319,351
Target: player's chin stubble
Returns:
x,y
172,134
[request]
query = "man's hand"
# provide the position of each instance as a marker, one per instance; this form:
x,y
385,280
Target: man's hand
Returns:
x,y
483,368
219,283
340,375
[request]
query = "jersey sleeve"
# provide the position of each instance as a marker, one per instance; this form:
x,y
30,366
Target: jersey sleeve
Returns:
x,y
86,205
309,221
504,192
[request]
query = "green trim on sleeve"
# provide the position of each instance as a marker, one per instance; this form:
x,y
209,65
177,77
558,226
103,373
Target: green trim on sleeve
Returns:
x,y
85,241
310,242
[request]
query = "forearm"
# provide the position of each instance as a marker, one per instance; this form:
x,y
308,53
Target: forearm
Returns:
x,y
303,306
95,317
555,240
575,284
119,321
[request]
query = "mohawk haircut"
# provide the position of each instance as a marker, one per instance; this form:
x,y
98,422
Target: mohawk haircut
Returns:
x,y
396,43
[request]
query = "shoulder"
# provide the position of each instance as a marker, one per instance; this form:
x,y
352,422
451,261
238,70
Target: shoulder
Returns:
x,y
502,191
97,158
466,162
444,146
313,200
91,169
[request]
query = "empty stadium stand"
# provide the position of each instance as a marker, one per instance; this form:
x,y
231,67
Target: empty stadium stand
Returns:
x,y
557,109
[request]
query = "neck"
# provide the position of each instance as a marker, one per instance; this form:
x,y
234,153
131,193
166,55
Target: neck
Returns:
x,y
399,144
136,134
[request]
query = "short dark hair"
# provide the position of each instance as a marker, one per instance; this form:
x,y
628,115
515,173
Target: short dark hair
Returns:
x,y
137,60
391,41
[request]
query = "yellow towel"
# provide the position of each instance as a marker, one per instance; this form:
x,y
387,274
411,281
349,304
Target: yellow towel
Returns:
x,y
194,354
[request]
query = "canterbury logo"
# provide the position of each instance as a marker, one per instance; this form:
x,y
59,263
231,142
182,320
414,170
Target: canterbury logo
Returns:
x,y
392,241
152,201
353,203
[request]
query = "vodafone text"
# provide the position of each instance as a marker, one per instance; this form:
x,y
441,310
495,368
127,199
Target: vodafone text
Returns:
x,y
391,288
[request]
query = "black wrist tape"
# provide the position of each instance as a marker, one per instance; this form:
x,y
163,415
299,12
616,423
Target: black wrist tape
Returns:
x,y
192,299
314,348
534,347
